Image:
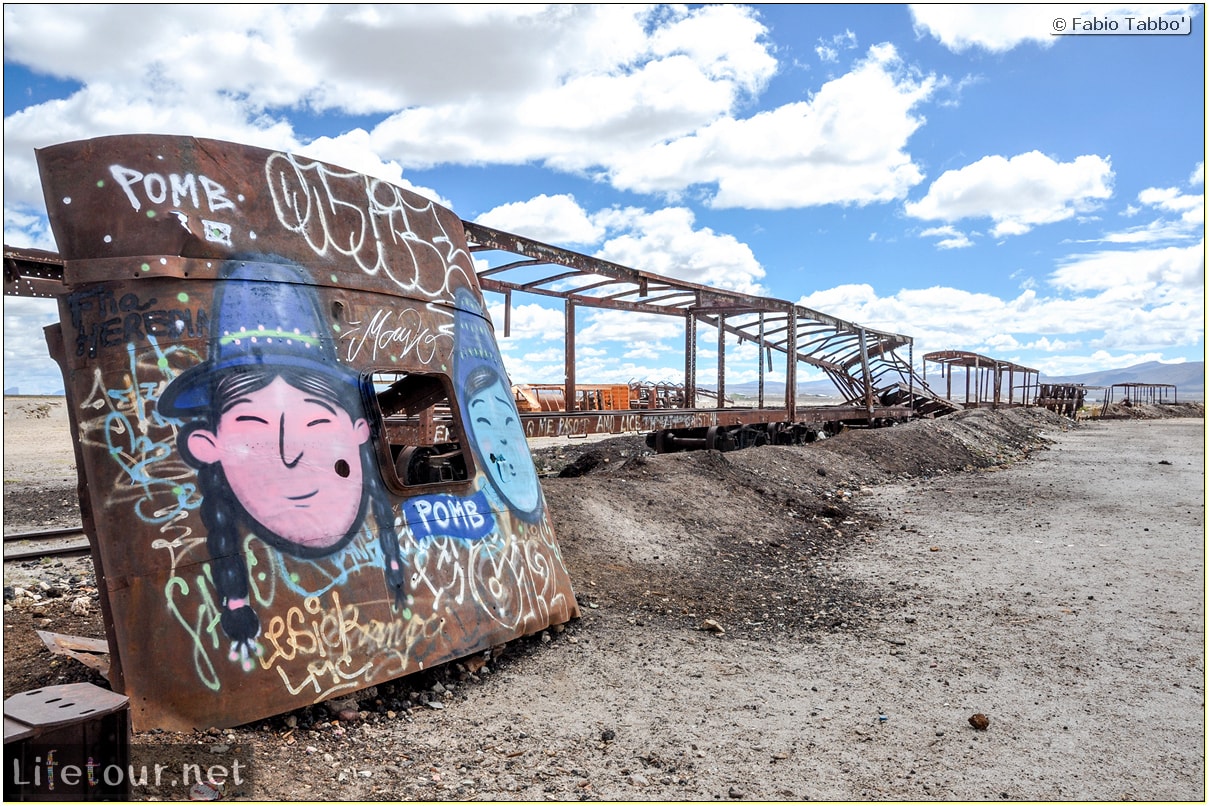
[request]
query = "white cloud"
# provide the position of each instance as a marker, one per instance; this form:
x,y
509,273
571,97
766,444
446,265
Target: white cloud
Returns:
x,y
551,219
1138,273
630,328
844,145
28,230
1017,193
665,242
572,86
353,151
950,238
1128,302
828,50
1002,27
527,321
995,28
1148,233
586,103
1048,345
1190,209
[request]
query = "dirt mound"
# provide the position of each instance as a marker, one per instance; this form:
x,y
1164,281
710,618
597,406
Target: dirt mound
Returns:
x,y
745,542
1152,411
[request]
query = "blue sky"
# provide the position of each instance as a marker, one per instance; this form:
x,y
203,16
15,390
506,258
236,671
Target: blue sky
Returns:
x,y
954,173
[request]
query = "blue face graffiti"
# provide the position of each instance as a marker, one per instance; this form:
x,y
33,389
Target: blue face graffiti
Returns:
x,y
489,413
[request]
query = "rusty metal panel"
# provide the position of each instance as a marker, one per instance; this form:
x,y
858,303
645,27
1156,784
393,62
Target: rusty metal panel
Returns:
x,y
32,273
247,338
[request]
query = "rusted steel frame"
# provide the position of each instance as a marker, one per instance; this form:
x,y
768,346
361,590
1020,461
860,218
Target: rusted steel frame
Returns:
x,y
865,372
982,372
861,353
886,342
720,324
579,289
500,287
488,239
791,370
644,296
963,358
51,264
32,273
760,350
690,359
845,383
831,347
569,354
1150,392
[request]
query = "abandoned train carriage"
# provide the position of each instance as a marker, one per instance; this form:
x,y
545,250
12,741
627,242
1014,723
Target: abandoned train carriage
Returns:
x,y
301,466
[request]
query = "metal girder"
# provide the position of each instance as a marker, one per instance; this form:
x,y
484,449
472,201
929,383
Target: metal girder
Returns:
x,y
851,355
986,374
32,273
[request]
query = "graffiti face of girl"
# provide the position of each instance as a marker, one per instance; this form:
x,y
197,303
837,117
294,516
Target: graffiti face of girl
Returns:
x,y
500,440
292,459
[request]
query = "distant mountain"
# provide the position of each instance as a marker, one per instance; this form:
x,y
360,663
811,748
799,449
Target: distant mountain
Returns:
x,y
777,389
1188,378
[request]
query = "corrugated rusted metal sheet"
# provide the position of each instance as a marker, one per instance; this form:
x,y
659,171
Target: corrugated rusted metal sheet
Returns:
x,y
272,364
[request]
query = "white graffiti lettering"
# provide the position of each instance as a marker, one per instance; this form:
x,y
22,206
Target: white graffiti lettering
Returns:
x,y
404,330
368,221
156,189
450,513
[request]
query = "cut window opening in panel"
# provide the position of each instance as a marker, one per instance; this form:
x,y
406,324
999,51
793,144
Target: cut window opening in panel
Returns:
x,y
419,436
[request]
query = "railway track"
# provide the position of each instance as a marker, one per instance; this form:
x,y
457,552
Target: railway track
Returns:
x,y
45,543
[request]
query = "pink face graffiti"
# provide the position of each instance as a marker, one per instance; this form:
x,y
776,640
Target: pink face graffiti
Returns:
x,y
292,459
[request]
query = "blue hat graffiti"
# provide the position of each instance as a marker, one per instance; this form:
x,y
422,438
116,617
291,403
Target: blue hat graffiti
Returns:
x,y
264,314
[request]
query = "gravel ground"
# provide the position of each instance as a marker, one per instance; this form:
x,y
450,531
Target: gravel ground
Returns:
x,y
817,622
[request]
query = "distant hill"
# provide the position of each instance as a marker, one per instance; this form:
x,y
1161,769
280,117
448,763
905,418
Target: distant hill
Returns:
x,y
1188,378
